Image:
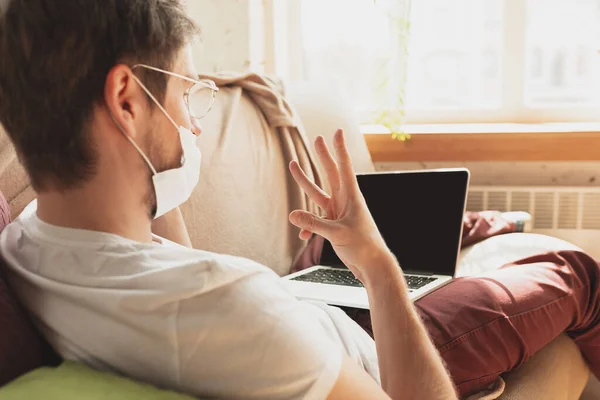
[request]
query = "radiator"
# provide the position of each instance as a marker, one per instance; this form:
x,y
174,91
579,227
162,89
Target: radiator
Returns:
x,y
568,213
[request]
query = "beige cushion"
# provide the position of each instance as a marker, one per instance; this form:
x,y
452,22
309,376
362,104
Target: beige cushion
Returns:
x,y
557,372
242,202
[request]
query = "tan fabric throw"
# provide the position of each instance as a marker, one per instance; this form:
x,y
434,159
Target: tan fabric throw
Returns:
x,y
246,192
14,181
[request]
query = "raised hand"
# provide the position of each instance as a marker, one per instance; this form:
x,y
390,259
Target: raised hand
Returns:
x,y
348,224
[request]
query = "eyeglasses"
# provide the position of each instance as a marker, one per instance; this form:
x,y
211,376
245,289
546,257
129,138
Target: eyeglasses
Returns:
x,y
199,98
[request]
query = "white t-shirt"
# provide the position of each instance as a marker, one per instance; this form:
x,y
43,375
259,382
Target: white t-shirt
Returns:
x,y
198,322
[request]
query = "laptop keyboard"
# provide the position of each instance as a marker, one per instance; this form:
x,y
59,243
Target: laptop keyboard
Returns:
x,y
345,277
417,282
330,276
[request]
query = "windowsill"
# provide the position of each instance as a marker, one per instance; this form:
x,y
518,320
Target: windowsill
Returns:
x,y
554,127
487,142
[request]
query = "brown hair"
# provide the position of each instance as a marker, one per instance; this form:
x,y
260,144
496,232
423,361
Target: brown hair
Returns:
x,y
54,59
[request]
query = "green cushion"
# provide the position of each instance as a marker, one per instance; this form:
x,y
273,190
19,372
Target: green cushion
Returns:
x,y
75,381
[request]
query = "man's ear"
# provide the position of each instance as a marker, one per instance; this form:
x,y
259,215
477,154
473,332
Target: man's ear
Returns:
x,y
123,97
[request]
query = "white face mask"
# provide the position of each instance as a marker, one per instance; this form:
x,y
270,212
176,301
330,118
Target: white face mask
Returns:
x,y
173,186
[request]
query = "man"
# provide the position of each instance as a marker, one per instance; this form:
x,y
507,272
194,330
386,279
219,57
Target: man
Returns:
x,y
95,96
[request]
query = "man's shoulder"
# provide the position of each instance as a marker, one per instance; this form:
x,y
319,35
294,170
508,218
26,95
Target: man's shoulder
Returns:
x,y
94,259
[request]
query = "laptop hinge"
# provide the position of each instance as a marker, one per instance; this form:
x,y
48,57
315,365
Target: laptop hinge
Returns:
x,y
409,272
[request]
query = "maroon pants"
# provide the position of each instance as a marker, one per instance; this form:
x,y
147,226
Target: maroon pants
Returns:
x,y
487,325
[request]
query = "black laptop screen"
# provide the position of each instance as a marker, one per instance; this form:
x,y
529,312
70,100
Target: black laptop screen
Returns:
x,y
419,215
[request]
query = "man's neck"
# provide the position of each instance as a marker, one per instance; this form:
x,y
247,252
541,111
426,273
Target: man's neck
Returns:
x,y
96,208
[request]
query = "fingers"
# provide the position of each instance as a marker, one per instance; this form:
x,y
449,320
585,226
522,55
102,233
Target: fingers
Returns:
x,y
329,164
315,193
312,224
344,160
304,234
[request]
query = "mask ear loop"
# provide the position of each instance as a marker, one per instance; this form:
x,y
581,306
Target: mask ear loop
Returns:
x,y
145,89
133,143
155,101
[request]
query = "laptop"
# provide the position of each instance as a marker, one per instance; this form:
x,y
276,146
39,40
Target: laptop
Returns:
x,y
419,214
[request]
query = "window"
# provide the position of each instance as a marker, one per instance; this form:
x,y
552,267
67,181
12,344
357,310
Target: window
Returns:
x,y
561,37
455,55
469,60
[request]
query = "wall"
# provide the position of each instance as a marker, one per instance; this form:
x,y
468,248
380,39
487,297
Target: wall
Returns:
x,y
233,34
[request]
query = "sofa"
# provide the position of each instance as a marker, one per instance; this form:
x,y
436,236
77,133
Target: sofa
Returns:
x,y
244,163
